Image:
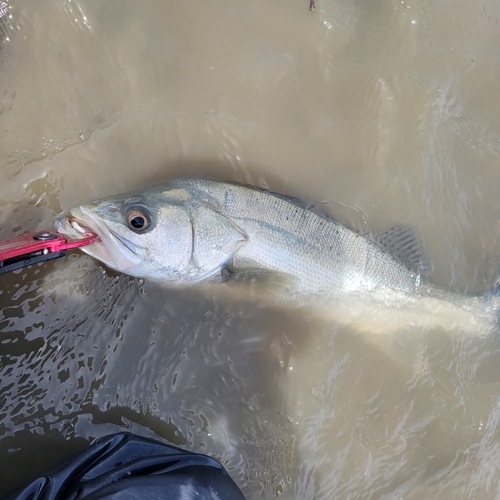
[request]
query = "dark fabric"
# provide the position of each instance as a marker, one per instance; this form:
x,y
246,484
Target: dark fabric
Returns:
x,y
127,467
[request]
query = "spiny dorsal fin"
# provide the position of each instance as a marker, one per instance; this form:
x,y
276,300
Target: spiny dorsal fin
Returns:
x,y
404,245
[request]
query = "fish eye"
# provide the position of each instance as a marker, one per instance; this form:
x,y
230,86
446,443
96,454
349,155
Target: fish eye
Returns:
x,y
138,219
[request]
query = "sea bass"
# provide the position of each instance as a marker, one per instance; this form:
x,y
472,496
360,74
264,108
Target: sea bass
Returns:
x,y
192,230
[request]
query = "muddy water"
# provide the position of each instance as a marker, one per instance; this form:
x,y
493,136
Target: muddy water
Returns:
x,y
380,112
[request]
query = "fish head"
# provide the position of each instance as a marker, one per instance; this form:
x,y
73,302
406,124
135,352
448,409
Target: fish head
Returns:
x,y
140,235
165,234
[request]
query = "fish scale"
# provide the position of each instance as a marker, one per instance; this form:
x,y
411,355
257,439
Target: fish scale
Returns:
x,y
341,257
194,229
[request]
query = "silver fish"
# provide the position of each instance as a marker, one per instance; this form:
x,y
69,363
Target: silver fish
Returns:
x,y
192,230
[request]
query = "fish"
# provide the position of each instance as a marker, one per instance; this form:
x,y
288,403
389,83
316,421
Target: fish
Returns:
x,y
196,230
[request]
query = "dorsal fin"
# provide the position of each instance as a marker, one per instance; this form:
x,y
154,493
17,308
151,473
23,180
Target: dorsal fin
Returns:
x,y
404,245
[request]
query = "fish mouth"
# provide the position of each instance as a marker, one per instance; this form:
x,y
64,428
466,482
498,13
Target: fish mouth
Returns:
x,y
111,250
80,227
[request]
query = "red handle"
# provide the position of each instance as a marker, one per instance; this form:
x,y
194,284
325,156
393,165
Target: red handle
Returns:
x,y
42,240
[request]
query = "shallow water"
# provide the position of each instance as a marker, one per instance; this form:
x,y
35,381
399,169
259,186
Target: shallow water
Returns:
x,y
380,113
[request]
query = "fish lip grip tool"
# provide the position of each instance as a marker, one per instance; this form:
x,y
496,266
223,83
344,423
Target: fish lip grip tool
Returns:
x,y
41,246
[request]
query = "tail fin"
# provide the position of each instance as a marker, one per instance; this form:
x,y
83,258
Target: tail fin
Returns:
x,y
493,302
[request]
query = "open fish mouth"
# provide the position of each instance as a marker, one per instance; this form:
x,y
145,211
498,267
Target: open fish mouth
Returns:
x,y
81,229
76,228
80,226
110,250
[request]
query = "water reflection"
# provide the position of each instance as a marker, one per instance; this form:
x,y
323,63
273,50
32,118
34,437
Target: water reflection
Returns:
x,y
188,367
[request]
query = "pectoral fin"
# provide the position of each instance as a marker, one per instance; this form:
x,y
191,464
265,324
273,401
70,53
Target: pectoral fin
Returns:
x,y
267,276
215,239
